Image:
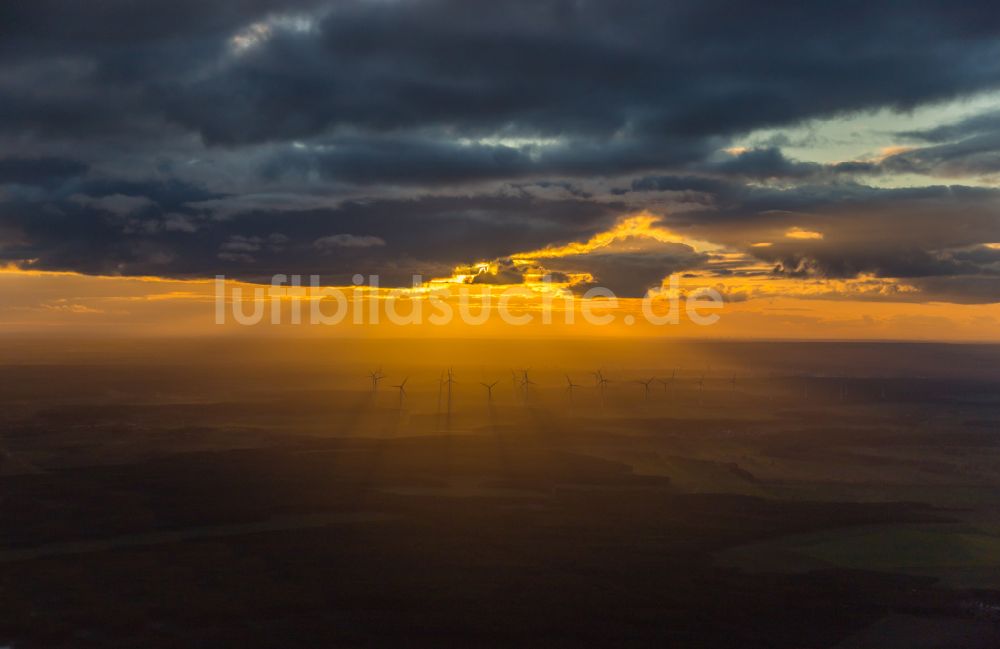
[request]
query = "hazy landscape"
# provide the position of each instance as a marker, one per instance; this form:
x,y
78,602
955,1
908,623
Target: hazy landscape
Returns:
x,y
527,323
185,493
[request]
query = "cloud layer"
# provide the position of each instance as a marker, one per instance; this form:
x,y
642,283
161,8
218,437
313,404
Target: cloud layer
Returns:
x,y
187,139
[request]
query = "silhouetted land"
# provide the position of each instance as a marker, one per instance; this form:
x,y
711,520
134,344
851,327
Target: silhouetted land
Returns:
x,y
177,494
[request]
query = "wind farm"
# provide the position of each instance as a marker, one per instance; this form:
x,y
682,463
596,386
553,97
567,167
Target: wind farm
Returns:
x,y
542,324
700,391
902,457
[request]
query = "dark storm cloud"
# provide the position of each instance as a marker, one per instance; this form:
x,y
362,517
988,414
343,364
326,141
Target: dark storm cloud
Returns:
x,y
967,147
852,260
921,233
148,137
767,163
429,162
118,233
977,155
644,69
401,162
39,171
726,180
974,289
45,27
647,69
675,183
771,164
506,272
629,273
988,122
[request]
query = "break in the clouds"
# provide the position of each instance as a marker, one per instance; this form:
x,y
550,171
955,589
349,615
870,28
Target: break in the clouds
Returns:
x,y
405,137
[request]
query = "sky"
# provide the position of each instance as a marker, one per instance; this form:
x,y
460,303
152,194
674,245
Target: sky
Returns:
x,y
830,169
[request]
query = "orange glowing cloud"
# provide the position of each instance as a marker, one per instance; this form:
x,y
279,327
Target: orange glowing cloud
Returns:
x,y
799,233
889,151
635,233
631,232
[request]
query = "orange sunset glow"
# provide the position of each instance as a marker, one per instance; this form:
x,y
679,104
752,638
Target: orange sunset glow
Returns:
x,y
757,303
558,324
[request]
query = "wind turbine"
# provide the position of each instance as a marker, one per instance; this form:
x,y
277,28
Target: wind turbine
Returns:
x,y
375,377
668,383
645,386
489,390
601,384
449,381
402,391
570,387
525,382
